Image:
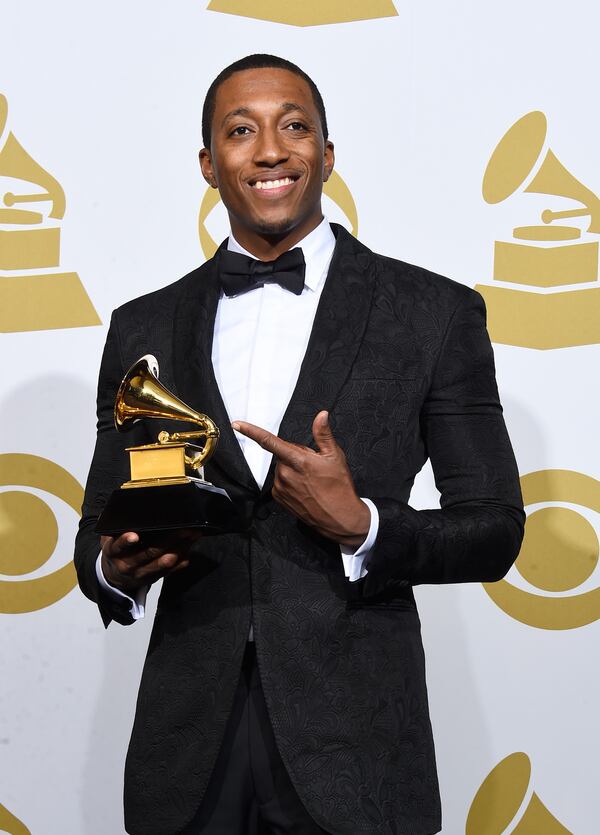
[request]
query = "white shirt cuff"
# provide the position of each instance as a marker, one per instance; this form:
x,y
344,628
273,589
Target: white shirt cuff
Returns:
x,y
137,604
354,560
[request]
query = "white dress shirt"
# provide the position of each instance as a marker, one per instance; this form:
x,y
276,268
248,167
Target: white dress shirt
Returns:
x,y
260,338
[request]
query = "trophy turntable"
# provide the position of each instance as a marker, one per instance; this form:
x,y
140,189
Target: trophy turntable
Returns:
x,y
167,489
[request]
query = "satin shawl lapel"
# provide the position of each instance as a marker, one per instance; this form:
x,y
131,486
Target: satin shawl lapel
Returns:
x,y
194,374
336,336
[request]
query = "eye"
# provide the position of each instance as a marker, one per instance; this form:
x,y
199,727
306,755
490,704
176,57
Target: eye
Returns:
x,y
240,130
296,126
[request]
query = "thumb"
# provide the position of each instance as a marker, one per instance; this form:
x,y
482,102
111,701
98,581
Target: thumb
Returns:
x,y
322,433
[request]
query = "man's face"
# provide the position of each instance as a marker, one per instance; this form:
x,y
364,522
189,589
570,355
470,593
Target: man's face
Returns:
x,y
268,157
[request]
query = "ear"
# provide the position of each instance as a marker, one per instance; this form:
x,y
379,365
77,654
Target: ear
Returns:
x,y
206,166
328,161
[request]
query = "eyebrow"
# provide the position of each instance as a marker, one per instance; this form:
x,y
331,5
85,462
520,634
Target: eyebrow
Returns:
x,y
292,105
287,107
239,111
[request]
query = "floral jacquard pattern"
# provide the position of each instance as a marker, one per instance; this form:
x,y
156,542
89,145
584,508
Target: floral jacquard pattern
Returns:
x,y
401,359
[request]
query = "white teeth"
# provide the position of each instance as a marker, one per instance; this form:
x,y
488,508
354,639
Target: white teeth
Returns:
x,y
267,184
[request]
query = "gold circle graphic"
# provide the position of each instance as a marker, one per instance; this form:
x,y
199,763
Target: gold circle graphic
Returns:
x,y
559,557
335,188
28,532
560,549
23,470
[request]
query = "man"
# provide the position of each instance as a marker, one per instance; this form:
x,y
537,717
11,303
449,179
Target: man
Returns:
x,y
284,683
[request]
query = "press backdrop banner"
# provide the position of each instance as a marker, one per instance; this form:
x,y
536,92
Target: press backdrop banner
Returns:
x,y
467,141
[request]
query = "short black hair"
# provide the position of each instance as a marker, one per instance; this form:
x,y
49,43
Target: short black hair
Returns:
x,y
256,62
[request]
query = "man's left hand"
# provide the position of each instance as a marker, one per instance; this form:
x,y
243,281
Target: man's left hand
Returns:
x,y
316,486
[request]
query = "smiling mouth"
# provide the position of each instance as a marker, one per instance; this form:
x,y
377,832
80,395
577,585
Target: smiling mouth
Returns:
x,y
270,185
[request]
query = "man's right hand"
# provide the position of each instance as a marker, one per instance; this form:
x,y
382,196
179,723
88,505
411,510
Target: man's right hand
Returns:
x,y
129,564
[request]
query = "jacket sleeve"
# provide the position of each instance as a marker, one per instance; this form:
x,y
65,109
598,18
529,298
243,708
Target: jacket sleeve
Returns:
x,y
477,533
109,469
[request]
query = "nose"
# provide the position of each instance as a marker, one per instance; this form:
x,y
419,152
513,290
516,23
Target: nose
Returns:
x,y
270,149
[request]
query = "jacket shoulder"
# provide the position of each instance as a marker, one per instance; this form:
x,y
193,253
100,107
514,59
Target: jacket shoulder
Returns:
x,y
164,298
420,282
394,275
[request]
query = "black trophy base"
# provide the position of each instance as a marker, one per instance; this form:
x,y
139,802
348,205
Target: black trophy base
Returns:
x,y
194,504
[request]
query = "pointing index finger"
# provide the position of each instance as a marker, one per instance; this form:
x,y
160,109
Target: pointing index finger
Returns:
x,y
283,450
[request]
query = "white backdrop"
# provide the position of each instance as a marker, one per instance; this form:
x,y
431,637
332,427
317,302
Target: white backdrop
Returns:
x,y
107,98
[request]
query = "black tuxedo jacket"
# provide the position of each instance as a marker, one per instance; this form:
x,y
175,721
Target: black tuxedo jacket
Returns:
x,y
401,359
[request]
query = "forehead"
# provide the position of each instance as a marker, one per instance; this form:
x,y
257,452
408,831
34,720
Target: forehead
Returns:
x,y
258,88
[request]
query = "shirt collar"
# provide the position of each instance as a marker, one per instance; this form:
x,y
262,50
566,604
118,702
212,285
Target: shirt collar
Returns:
x,y
317,247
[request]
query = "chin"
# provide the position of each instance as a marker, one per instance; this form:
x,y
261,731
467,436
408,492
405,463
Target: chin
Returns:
x,y
275,227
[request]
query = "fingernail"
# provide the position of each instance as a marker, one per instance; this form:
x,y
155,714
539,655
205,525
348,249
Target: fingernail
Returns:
x,y
235,425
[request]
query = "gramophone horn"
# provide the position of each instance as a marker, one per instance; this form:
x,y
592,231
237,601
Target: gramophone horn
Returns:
x,y
514,157
554,179
500,798
142,395
17,164
167,489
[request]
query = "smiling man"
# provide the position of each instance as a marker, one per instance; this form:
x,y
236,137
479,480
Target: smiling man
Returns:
x,y
268,156
284,687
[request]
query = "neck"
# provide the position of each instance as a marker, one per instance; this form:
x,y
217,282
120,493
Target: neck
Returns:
x,y
268,247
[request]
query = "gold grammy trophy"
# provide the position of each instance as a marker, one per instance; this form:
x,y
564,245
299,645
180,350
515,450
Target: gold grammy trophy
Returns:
x,y
550,260
167,489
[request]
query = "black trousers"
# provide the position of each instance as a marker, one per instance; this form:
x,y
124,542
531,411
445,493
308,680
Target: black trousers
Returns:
x,y
249,792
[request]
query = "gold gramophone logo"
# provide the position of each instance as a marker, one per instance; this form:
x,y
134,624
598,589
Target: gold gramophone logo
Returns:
x,y
306,12
335,188
29,532
34,295
559,553
552,258
506,799
11,824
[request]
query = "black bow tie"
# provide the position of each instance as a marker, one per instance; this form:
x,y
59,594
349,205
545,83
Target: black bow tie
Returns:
x,y
239,273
